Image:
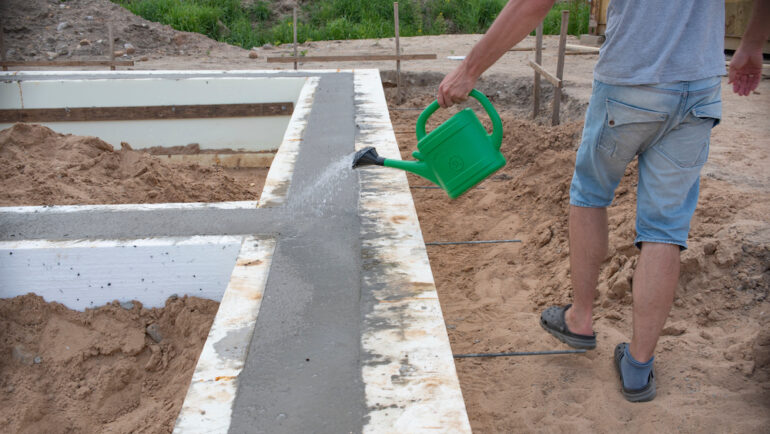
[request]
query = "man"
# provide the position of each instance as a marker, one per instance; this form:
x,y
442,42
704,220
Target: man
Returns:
x,y
656,96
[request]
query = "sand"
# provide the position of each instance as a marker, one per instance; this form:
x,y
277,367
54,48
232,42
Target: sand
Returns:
x,y
713,362
42,167
97,371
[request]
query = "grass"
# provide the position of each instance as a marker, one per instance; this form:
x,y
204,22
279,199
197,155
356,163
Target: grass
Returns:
x,y
254,24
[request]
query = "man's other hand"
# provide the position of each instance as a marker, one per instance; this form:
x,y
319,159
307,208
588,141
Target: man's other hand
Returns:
x,y
745,70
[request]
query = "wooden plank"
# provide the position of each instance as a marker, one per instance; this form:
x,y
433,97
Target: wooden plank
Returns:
x,y
241,159
548,76
576,47
560,66
81,114
2,46
538,61
112,46
398,48
68,63
352,58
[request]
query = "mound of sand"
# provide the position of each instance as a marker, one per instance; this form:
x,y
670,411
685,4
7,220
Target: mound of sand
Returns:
x,y
98,370
55,30
41,167
712,360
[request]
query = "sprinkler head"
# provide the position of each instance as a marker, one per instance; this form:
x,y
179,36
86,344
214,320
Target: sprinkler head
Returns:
x,y
367,157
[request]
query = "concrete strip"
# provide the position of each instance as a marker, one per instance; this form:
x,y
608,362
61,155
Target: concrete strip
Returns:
x,y
410,380
141,222
302,373
282,169
208,405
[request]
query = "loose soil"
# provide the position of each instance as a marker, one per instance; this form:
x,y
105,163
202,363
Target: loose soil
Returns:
x,y
97,371
713,361
41,167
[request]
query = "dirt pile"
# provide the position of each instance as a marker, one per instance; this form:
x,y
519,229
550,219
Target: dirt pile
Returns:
x,y
77,30
98,370
42,167
712,362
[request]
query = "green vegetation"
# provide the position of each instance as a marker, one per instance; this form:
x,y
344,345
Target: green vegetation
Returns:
x,y
251,24
579,12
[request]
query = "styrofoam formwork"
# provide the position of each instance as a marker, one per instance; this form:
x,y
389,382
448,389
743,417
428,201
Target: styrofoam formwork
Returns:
x,y
153,89
409,377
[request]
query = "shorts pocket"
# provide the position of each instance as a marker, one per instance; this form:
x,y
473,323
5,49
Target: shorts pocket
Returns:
x,y
687,145
627,129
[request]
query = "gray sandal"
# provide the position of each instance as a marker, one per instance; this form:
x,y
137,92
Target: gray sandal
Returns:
x,y
552,320
646,393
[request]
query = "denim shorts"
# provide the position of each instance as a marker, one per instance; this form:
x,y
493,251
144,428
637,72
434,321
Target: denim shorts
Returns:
x,y
668,127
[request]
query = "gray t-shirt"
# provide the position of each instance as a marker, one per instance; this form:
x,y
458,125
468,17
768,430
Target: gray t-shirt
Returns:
x,y
662,41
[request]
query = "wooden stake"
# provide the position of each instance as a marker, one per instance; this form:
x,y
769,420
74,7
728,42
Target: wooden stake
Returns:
x,y
295,37
538,59
398,49
352,58
112,46
560,66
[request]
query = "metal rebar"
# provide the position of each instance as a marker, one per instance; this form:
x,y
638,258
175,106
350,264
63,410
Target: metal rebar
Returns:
x,y
446,243
524,353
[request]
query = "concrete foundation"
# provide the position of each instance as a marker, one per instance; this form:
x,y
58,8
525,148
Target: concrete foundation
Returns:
x,y
330,321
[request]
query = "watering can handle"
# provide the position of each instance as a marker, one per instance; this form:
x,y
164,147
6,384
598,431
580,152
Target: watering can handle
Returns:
x,y
497,125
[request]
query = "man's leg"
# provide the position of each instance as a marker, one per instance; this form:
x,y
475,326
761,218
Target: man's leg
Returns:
x,y
655,281
588,239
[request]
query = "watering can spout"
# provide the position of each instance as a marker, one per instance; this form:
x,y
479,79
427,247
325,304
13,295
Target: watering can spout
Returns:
x,y
367,157
417,167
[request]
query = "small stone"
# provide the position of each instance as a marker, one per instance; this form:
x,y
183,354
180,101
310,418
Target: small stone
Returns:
x,y
130,49
709,248
675,329
62,25
9,389
118,53
85,42
50,55
268,47
253,54
476,341
451,327
20,355
153,331
144,59
37,360
89,17
127,305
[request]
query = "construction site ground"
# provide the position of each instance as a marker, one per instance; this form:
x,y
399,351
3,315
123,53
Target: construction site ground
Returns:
x,y
713,360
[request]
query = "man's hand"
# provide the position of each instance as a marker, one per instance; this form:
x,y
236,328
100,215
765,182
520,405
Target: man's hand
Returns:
x,y
455,87
746,66
513,24
745,70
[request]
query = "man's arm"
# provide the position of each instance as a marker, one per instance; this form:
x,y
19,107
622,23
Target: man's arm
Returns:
x,y
746,65
514,23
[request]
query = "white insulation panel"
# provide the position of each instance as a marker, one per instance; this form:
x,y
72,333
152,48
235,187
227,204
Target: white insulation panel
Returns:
x,y
83,274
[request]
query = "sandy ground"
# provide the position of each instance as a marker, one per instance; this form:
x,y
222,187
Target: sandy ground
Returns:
x,y
713,361
42,167
99,370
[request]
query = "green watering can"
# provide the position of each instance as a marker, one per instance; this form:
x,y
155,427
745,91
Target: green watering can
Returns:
x,y
456,156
